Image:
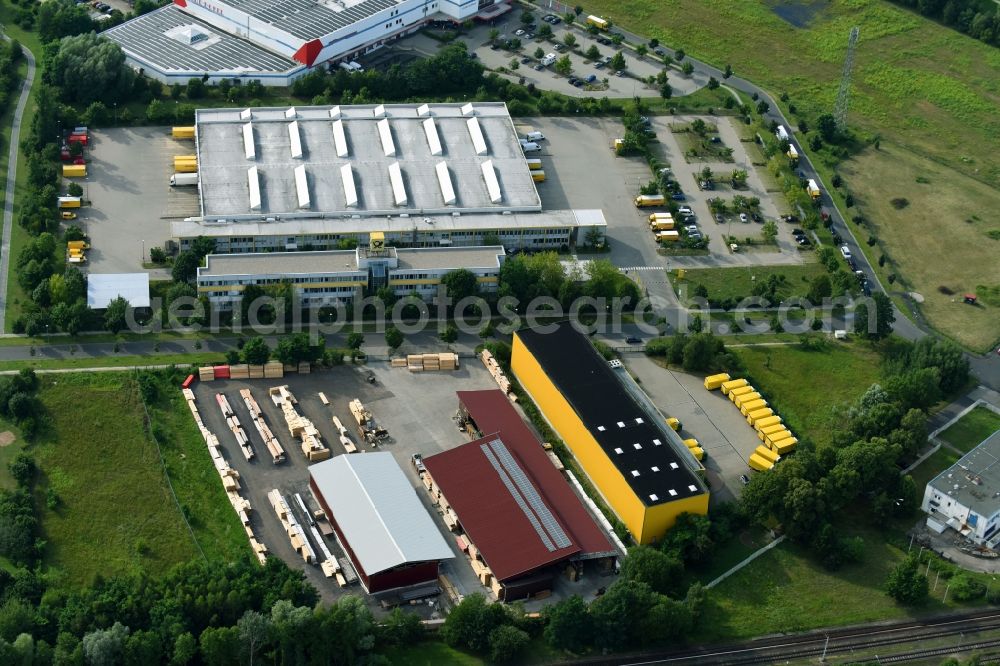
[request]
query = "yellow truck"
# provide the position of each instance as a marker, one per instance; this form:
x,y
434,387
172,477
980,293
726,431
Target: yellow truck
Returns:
x,y
182,132
713,382
667,236
661,225
691,442
655,217
770,420
78,245
813,189
186,167
757,414
785,446
534,164
697,452
69,202
597,22
74,170
733,384
740,400
767,453
675,424
650,200
538,176
748,406
793,155
777,436
759,464
737,392
761,434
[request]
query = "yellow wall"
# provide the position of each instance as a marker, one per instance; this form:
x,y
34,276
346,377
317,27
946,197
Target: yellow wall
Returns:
x,y
645,523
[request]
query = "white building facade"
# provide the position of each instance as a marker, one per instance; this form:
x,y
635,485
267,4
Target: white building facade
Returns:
x,y
966,496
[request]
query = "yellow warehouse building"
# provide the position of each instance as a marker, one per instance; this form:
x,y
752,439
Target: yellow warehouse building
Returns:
x,y
640,467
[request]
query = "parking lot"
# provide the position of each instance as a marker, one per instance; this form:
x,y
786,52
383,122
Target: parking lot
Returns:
x,y
708,416
477,41
415,408
127,183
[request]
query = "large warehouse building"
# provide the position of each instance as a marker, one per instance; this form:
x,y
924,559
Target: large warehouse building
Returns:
x,y
641,468
966,496
522,524
385,530
275,42
430,175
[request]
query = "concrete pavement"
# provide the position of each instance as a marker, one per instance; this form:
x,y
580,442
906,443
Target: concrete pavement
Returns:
x,y
8,204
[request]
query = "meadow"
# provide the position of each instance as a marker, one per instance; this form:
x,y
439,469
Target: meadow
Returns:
x,y
928,93
970,430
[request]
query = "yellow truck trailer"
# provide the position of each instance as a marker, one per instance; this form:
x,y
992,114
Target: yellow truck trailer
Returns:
x,y
767,453
785,446
186,167
534,164
691,442
667,236
757,414
776,436
741,400
737,392
597,22
748,406
74,170
713,382
770,420
184,158
69,202
733,384
674,423
650,200
78,245
538,176
661,225
697,452
759,464
182,132
660,216
761,434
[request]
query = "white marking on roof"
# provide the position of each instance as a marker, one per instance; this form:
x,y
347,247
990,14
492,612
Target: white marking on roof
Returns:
x,y
673,493
290,112
396,178
433,139
619,450
444,181
476,132
468,109
635,472
302,186
385,134
295,139
639,420
657,442
248,146
692,488
653,497
340,138
621,424
350,193
655,468
424,110
335,112
253,181
492,184
673,465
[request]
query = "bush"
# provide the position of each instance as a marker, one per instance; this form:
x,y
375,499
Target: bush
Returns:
x,y
964,587
157,255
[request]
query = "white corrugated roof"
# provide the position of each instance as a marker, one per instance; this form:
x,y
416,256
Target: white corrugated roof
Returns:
x,y
378,511
104,288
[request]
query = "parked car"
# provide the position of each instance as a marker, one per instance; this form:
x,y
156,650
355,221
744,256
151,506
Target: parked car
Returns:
x,y
756,217
573,80
598,65
591,78
659,50
525,60
719,218
678,196
798,232
744,479
579,83
837,240
539,67
559,47
685,210
846,251
743,217
66,215
529,35
620,72
519,33
632,340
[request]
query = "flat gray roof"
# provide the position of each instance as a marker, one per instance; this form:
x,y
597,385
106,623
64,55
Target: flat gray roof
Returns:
x,y
378,512
226,188
974,481
171,41
339,261
190,228
102,288
308,19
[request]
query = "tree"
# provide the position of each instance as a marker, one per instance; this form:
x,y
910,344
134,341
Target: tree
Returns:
x,y
87,68
641,50
619,613
713,83
545,31
105,647
827,126
539,53
195,89
461,283
729,71
185,267
115,315
507,643
295,349
185,649
22,467
256,351
471,622
819,289
568,624
917,388
569,40
700,351
876,323
254,632
661,572
563,65
355,340
762,107
62,18
220,646
393,338
666,91
401,628
687,68
906,584
449,334
593,53
618,61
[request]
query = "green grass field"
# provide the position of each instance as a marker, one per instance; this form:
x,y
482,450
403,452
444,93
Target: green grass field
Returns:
x,y
929,93
430,653
7,453
116,514
940,460
972,429
805,386
723,283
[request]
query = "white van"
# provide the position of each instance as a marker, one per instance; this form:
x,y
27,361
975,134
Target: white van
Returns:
x,y
548,59
530,147
534,136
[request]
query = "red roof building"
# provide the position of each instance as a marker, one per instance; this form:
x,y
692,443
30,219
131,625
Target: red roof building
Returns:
x,y
519,516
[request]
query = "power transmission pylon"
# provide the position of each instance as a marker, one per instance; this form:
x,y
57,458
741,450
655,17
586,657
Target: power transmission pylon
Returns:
x,y
840,109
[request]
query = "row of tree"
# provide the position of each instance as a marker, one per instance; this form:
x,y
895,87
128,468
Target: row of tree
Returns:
x,y
977,18
875,435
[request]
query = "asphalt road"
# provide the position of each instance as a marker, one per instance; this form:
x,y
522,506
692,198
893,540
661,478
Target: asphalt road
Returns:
x,y
8,206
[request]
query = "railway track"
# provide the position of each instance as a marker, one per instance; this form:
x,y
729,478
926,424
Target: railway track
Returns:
x,y
835,642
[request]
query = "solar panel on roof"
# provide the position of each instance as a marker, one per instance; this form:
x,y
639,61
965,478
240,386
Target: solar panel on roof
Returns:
x,y
517,497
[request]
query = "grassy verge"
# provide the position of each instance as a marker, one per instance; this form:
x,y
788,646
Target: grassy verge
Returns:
x,y
971,429
113,361
115,513
804,386
7,453
724,283
430,653
940,460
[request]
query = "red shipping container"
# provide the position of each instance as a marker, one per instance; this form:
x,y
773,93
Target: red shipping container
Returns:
x,y
187,382
221,372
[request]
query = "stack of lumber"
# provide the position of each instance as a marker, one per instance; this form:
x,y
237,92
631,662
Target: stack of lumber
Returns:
x,y
398,363
299,426
239,371
369,429
496,371
270,441
233,422
256,371
345,438
274,370
304,368
428,362
296,535
230,477
206,373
